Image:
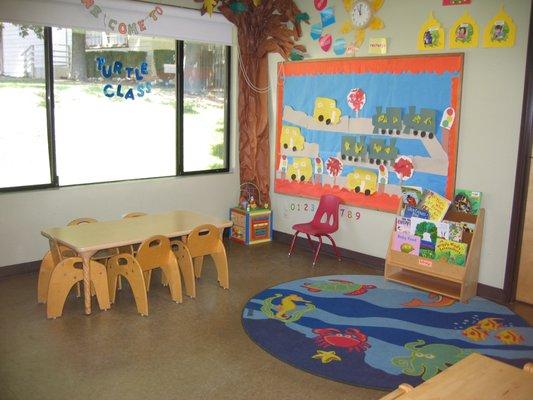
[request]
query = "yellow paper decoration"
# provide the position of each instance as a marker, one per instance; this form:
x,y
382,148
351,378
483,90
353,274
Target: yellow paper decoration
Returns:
x,y
464,33
500,31
431,35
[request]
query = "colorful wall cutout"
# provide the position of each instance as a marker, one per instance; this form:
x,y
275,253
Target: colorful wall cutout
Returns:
x,y
500,31
431,35
464,33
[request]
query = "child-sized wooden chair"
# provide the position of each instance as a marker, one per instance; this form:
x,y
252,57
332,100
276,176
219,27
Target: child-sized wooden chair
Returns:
x,y
66,274
155,252
48,264
204,240
127,266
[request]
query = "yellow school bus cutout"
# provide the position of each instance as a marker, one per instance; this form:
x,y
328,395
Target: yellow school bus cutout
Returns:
x,y
300,169
292,138
326,111
362,181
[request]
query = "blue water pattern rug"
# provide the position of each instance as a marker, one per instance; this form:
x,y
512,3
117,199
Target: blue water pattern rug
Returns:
x,y
366,331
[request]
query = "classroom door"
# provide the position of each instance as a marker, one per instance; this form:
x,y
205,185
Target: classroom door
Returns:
x,y
524,288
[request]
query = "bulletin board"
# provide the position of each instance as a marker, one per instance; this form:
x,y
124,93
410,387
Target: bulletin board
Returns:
x,y
361,128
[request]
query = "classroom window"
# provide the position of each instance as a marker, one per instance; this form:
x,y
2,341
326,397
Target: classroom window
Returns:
x,y
24,149
118,108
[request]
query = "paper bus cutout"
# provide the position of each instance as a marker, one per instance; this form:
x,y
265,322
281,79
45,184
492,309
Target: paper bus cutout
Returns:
x,y
431,35
500,31
464,33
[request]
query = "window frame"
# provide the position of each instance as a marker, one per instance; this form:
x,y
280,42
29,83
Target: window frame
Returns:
x,y
50,122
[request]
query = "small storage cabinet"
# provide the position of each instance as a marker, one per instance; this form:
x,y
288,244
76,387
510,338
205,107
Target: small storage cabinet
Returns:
x,y
251,227
457,282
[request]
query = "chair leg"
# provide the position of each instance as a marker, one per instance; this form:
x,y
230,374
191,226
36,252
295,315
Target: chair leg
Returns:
x,y
292,243
147,279
45,272
112,278
186,267
310,241
100,285
317,249
135,278
335,249
172,272
221,263
198,264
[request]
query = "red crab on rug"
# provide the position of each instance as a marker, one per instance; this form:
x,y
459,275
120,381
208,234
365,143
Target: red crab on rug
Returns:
x,y
350,339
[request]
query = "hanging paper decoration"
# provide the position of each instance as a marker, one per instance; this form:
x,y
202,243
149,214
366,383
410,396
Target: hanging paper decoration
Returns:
x,y
339,46
356,100
325,42
464,32
321,4
455,2
500,31
431,35
404,168
136,73
327,16
210,5
116,25
316,31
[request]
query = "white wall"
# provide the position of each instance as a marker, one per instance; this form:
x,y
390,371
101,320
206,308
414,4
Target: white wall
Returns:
x,y
493,84
24,214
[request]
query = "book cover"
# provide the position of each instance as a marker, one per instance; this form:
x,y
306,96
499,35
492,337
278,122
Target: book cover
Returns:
x,y
406,243
467,201
411,211
451,252
435,204
411,195
427,249
455,231
403,224
429,230
467,226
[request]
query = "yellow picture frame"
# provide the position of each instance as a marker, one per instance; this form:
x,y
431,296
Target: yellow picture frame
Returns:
x,y
464,33
431,35
500,31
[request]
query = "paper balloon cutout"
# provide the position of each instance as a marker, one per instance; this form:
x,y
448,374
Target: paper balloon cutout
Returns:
x,y
320,4
356,100
404,168
334,167
339,46
325,42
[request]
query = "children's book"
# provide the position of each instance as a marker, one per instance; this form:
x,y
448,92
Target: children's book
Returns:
x,y
403,224
467,226
435,204
427,250
429,230
451,252
411,195
411,211
406,243
455,230
467,201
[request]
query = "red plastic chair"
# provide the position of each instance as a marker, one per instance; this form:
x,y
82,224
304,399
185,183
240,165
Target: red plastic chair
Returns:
x,y
325,222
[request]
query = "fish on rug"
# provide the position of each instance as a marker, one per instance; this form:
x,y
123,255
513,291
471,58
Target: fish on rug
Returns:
x,y
366,331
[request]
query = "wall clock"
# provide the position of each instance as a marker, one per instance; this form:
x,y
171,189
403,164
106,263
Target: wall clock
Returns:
x,y
362,16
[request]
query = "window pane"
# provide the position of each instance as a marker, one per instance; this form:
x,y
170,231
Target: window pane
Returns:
x,y
115,106
24,156
204,92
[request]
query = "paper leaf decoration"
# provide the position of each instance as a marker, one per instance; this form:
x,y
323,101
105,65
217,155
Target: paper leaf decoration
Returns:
x,y
464,33
430,35
500,31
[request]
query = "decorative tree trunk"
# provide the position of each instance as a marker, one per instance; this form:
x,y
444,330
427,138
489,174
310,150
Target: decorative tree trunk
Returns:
x,y
262,29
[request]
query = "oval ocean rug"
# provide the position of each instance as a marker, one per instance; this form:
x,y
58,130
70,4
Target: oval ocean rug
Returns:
x,y
366,331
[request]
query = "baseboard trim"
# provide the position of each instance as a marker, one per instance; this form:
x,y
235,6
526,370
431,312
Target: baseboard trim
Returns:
x,y
485,291
18,269
361,258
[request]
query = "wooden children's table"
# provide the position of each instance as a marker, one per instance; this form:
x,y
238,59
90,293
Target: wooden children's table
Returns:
x,y
87,239
476,377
